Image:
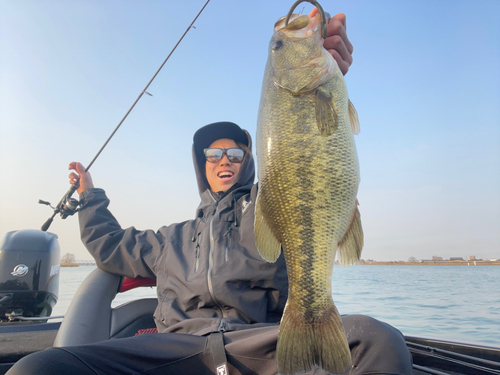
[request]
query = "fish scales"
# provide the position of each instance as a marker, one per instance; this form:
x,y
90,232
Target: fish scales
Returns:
x,y
308,181
304,188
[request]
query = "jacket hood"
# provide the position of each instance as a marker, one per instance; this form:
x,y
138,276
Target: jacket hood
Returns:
x,y
208,134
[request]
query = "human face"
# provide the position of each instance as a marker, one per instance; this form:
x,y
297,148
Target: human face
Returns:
x,y
222,174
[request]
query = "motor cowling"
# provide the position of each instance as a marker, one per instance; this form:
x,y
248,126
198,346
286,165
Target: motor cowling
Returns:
x,y
29,274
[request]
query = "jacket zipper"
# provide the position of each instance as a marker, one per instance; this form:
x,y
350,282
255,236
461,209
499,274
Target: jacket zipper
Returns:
x,y
222,325
228,241
197,254
211,266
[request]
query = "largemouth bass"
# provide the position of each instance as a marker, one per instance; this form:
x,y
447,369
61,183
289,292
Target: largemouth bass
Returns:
x,y
308,181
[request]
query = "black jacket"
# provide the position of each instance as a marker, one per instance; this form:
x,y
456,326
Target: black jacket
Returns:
x,y
210,275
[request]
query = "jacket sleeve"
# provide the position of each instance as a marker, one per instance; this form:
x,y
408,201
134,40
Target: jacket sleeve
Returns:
x,y
127,252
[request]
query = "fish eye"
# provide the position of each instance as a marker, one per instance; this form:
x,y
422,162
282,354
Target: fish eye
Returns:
x,y
276,45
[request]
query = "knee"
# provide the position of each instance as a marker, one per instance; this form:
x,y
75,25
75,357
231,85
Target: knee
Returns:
x,y
363,328
31,364
376,345
46,362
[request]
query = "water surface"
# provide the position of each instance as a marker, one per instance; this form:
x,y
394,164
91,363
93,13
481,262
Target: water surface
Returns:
x,y
454,303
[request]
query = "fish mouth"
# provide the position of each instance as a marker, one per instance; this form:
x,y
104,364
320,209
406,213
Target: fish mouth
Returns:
x,y
300,27
323,17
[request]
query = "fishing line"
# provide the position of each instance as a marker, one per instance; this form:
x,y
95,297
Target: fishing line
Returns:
x,y
68,206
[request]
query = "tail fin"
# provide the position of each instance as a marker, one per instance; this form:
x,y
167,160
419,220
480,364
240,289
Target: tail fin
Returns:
x,y
304,343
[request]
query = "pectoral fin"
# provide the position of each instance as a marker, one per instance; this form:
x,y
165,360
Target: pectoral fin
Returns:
x,y
268,245
351,245
327,117
353,116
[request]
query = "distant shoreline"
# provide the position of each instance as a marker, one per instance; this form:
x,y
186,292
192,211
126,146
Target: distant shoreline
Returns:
x,y
394,263
65,264
77,264
433,263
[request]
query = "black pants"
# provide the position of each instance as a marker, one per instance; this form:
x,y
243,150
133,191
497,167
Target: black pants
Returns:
x,y
376,348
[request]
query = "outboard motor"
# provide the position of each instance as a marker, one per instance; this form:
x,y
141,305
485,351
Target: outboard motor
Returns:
x,y
29,275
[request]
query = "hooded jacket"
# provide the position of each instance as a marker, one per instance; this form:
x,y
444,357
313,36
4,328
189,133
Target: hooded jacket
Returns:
x,y
210,275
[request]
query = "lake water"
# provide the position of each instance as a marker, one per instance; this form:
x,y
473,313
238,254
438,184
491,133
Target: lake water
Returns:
x,y
454,303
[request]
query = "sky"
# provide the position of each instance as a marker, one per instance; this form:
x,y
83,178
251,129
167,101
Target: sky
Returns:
x,y
425,82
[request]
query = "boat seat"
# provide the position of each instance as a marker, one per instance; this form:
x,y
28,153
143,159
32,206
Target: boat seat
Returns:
x,y
90,317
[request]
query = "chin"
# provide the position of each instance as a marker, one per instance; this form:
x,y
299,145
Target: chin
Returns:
x,y
225,188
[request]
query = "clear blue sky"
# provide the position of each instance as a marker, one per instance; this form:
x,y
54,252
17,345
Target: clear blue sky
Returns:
x,y
425,82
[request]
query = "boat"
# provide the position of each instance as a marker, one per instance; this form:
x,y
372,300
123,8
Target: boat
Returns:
x,y
26,327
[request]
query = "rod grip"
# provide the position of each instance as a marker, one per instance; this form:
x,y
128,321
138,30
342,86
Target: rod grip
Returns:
x,y
46,225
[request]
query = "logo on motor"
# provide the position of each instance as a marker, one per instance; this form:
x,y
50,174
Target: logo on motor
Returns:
x,y
20,270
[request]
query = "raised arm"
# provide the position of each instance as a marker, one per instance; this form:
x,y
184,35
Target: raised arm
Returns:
x,y
128,252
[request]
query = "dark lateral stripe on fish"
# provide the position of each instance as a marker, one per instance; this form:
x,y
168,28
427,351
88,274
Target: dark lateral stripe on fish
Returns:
x,y
306,281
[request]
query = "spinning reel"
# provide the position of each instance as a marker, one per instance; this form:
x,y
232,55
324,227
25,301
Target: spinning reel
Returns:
x,y
67,206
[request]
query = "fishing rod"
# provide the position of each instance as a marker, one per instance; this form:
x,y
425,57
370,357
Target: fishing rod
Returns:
x,y
68,206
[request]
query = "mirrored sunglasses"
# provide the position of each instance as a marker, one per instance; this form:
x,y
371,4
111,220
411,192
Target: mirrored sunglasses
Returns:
x,y
234,155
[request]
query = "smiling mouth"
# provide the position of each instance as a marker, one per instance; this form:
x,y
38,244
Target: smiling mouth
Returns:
x,y
225,175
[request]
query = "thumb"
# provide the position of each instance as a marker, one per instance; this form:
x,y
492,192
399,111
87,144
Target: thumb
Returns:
x,y
80,168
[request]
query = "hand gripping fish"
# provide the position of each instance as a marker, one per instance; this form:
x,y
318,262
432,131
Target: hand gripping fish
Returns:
x,y
308,182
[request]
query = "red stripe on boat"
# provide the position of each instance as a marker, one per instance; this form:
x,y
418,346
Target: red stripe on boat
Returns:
x,y
147,330
130,283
